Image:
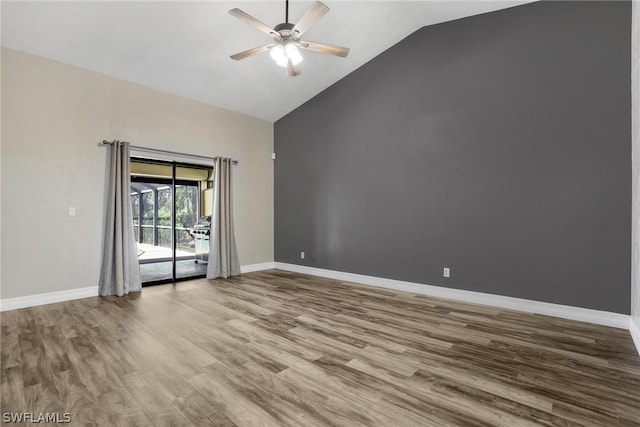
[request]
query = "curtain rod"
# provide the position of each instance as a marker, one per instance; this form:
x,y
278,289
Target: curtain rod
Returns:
x,y
156,150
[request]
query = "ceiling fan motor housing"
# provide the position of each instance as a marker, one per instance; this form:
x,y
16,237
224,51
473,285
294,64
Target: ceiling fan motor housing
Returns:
x,y
284,29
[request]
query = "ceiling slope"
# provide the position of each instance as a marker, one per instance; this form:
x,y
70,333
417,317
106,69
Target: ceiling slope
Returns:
x,y
183,47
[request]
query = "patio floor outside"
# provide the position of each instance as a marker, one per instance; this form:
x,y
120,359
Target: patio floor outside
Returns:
x,y
155,263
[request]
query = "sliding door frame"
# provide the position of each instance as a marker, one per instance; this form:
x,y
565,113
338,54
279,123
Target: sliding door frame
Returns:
x,y
172,182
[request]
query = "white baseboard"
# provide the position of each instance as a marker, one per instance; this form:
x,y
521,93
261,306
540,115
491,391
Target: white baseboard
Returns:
x,y
605,318
92,291
256,267
47,298
634,330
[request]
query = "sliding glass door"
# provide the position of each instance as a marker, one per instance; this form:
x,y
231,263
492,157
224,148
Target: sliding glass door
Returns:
x,y
187,209
152,202
169,202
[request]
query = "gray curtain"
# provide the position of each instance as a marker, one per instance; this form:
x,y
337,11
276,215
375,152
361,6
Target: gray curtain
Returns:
x,y
120,270
223,254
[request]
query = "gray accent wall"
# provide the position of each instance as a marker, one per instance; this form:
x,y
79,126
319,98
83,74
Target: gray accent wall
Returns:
x,y
635,225
497,145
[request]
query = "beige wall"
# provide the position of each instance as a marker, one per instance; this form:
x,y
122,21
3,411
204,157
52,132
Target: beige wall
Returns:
x,y
53,116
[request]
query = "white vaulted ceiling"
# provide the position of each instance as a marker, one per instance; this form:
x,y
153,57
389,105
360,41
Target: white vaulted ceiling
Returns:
x,y
183,47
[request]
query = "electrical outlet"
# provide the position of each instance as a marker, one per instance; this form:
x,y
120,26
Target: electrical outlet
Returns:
x,y
446,272
301,255
72,211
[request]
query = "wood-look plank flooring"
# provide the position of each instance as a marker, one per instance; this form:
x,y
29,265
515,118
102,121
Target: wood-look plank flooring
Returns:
x,y
278,348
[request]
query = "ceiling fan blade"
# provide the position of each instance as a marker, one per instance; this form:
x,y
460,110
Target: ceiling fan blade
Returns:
x,y
245,17
324,48
317,11
292,70
255,51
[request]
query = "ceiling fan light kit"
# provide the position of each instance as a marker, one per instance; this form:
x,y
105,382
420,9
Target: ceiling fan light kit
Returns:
x,y
285,49
282,52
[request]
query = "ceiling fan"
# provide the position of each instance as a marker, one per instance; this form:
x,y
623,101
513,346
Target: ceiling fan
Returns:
x,y
286,38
